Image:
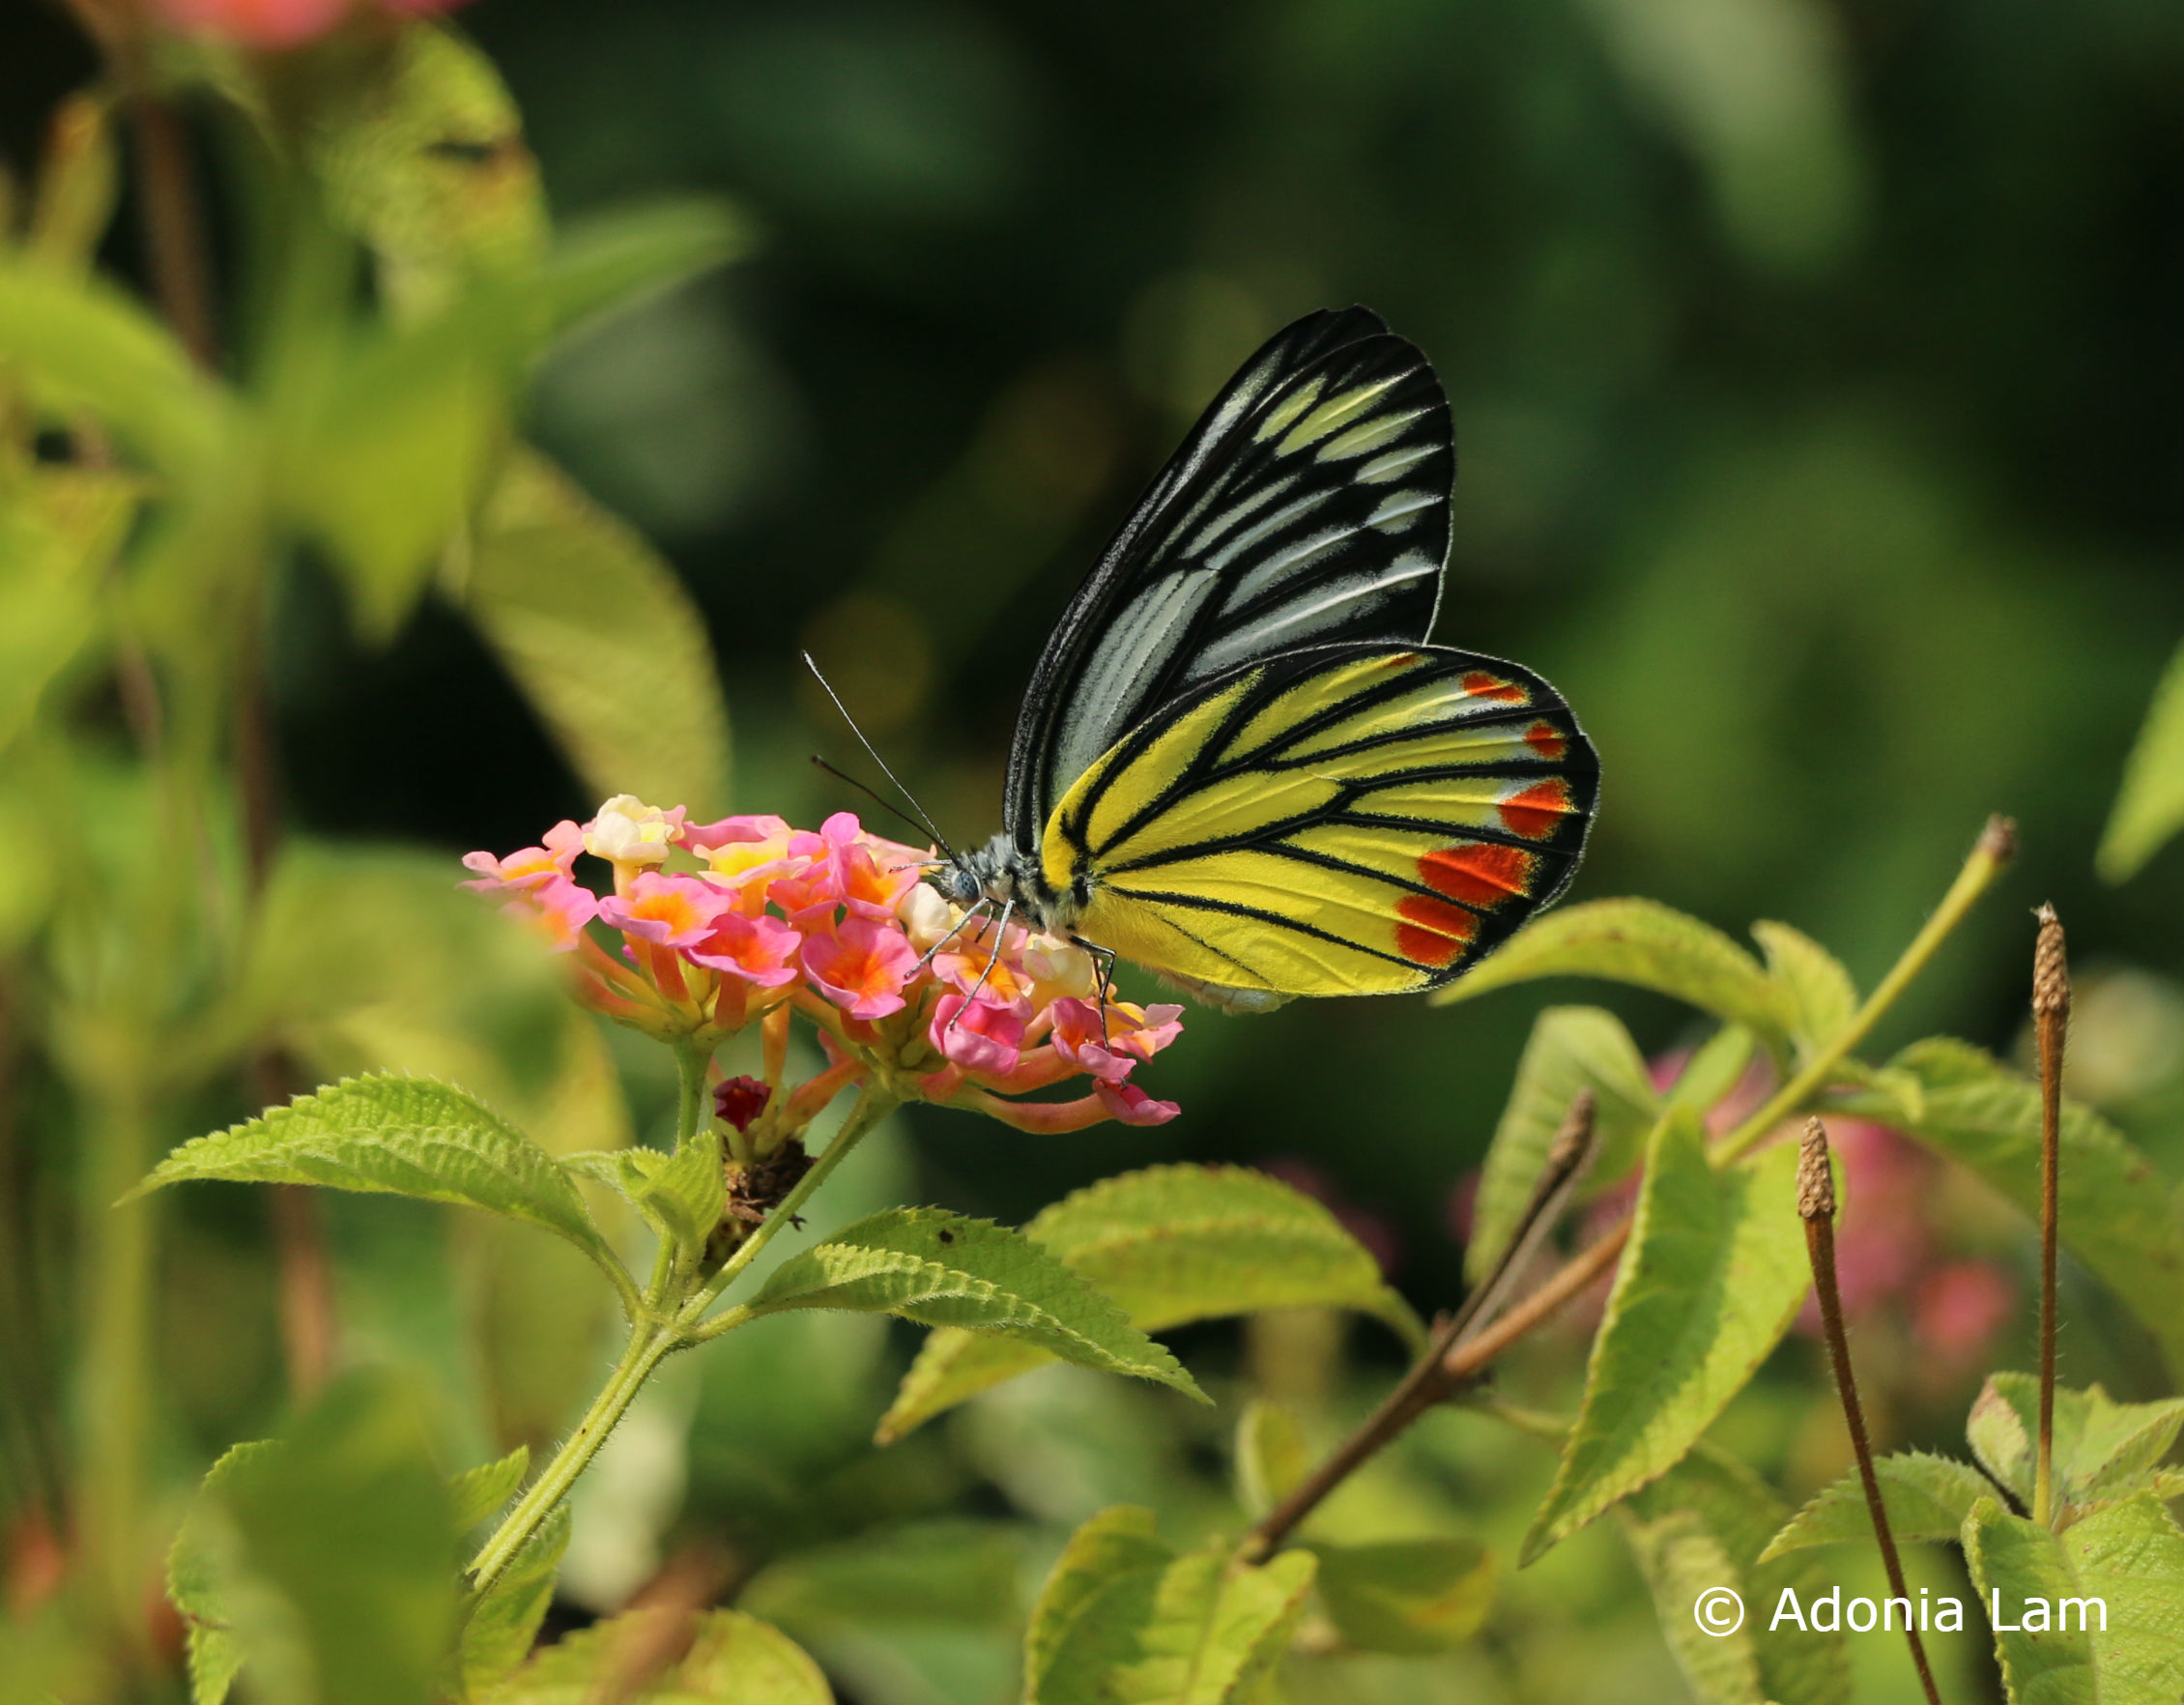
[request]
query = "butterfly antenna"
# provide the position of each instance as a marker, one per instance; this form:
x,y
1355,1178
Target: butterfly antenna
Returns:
x,y
883,802
925,822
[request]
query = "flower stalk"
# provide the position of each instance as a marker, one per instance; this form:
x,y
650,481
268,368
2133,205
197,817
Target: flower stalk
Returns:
x,y
2051,1020
1815,1207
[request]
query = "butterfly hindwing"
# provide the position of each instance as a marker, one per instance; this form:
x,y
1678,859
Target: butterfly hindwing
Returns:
x,y
1308,506
1346,819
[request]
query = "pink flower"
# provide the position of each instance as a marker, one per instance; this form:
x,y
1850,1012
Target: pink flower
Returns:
x,y
534,867
760,950
563,907
701,838
869,888
1960,1308
976,1035
1134,1034
672,910
861,966
1131,1105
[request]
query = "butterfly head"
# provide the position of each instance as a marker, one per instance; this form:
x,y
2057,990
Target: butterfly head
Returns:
x,y
1003,875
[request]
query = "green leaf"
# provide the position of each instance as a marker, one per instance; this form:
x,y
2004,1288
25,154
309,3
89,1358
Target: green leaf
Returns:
x,y
950,1572
941,1269
202,1560
60,529
504,1622
2103,1449
319,1563
2149,806
1570,1048
685,1194
1815,991
478,1492
78,180
2021,1560
1702,1527
404,1136
1271,1457
1171,1245
601,638
1124,1621
82,346
2118,1215
1642,942
2131,1557
733,1659
2113,1585
1414,1597
1927,1497
1712,1280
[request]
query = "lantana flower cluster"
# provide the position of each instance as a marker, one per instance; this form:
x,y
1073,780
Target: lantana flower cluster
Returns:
x,y
710,928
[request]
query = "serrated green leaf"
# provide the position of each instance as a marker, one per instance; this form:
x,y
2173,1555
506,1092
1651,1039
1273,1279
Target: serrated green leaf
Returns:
x,y
602,638
1716,1066
1410,1597
1124,1621
1815,991
1712,1280
733,1659
1641,942
402,1136
685,1194
478,1492
1570,1048
1171,1245
2149,806
1927,1497
2020,1560
1702,1527
319,1564
1271,1457
80,345
2112,1587
2103,1449
2118,1215
505,1621
941,1269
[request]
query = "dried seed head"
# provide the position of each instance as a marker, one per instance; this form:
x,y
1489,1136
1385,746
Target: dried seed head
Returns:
x,y
2051,967
1999,839
1816,1179
1574,1138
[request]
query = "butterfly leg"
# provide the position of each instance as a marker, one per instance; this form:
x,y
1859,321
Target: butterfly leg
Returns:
x,y
978,912
993,958
1104,966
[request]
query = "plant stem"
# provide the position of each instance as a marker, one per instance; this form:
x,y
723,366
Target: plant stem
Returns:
x,y
872,1106
174,239
1990,858
657,1333
1463,1345
2050,1016
650,1341
1816,1206
691,1064
1456,1359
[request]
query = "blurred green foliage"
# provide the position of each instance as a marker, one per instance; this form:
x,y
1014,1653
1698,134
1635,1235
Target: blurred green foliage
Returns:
x,y
1816,374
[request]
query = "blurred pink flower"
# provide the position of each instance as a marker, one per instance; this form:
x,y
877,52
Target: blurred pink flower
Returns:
x,y
275,24
1960,1307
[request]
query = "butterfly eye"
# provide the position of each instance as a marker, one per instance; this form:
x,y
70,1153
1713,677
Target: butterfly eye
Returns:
x,y
960,885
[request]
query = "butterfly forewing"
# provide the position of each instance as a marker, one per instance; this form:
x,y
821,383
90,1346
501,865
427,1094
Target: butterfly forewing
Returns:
x,y
1308,506
1350,819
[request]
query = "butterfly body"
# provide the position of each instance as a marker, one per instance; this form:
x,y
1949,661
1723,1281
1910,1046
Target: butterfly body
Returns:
x,y
1239,763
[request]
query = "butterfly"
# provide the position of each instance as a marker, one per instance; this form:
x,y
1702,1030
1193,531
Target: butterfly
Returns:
x,y
1239,763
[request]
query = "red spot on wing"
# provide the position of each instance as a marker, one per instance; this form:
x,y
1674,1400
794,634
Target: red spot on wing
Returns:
x,y
1536,812
1482,685
1479,873
1435,932
1546,739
